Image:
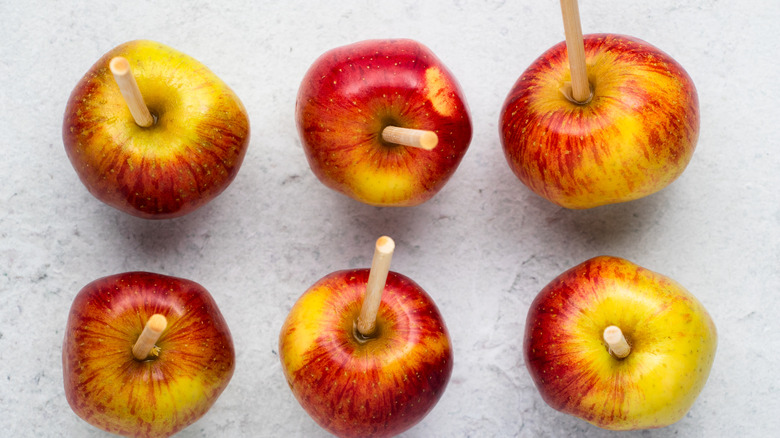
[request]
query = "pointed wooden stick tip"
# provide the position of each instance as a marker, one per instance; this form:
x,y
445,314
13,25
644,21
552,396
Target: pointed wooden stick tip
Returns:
x,y
157,323
152,331
418,138
429,140
385,245
616,342
612,334
119,65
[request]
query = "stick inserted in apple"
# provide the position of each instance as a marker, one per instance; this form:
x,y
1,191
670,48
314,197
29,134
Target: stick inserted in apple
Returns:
x,y
153,132
382,121
618,345
366,351
599,119
145,355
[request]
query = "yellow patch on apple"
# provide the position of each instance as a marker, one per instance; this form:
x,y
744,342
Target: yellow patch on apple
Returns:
x,y
306,317
188,391
381,188
438,91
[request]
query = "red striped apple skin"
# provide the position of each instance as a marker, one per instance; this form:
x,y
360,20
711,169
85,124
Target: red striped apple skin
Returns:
x,y
672,337
188,157
379,387
634,137
108,388
351,93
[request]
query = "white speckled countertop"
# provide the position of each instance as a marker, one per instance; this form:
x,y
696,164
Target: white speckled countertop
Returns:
x,y
483,247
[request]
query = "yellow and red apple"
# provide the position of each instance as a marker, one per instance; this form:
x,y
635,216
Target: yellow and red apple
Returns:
x,y
667,337
188,156
355,385
633,137
352,93
171,388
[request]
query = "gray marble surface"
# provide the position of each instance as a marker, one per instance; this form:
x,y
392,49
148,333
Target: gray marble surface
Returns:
x,y
483,247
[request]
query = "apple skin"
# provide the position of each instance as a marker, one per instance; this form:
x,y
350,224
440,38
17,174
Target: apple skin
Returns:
x,y
379,387
351,93
672,338
108,388
635,136
188,157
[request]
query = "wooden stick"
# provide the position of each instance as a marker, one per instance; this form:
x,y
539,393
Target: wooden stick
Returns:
x,y
377,277
417,138
618,346
575,46
124,78
151,333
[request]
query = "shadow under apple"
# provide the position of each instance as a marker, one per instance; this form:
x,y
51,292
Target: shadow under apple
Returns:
x,y
609,228
152,244
363,222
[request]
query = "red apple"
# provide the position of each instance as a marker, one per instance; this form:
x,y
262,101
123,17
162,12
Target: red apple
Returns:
x,y
190,153
634,136
352,93
357,385
648,375
169,389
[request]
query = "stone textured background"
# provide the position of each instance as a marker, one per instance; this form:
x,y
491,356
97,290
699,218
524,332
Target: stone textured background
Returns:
x,y
482,248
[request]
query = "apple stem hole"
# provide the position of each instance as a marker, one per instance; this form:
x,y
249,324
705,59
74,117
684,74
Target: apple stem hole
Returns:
x,y
145,345
363,338
616,342
377,277
123,75
575,46
568,93
418,138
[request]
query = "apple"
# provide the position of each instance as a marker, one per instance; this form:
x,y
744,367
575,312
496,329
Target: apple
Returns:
x,y
190,153
633,136
352,94
618,345
172,382
366,369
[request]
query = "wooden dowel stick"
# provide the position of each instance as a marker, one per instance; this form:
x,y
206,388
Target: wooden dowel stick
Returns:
x,y
149,336
618,346
417,138
377,277
124,78
580,88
